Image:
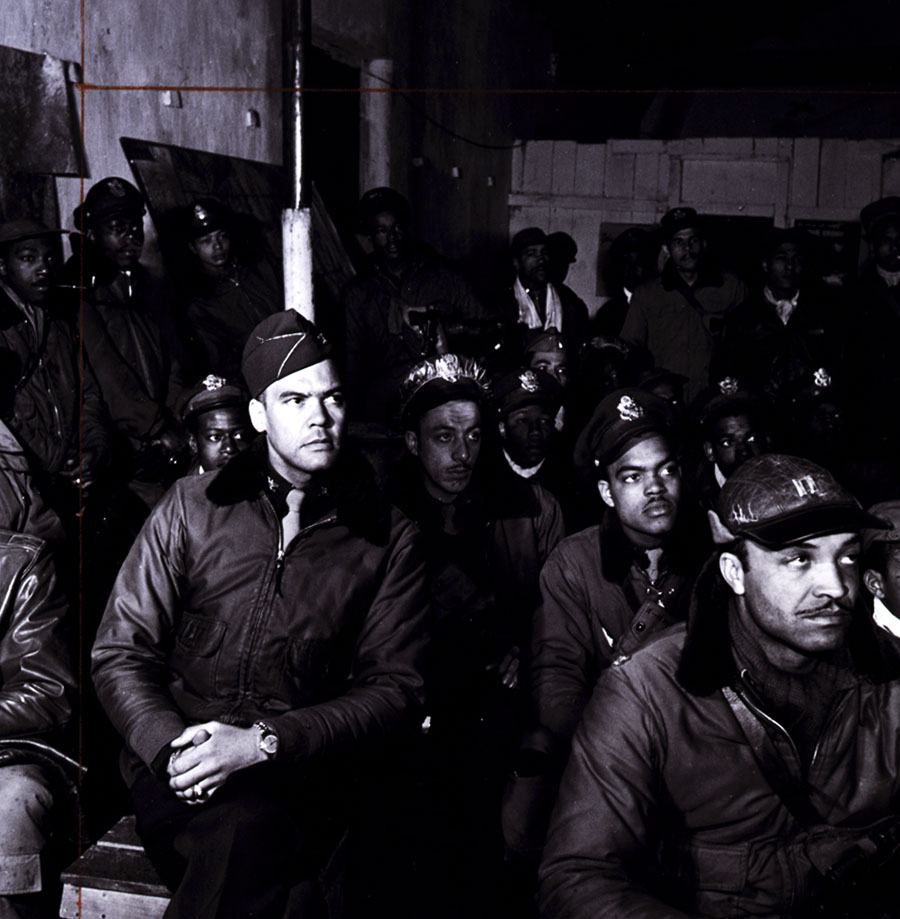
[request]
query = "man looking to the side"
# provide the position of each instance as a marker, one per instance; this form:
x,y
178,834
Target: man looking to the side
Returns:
x,y
726,769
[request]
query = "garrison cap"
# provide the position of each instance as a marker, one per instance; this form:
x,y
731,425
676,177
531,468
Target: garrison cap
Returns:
x,y
679,218
873,216
438,380
107,198
777,500
527,387
281,345
530,236
623,418
377,200
14,231
211,392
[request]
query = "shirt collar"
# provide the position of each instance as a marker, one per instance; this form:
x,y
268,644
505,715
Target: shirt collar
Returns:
x,y
526,473
885,619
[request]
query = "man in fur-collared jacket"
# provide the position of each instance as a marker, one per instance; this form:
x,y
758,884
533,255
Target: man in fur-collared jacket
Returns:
x,y
730,770
265,631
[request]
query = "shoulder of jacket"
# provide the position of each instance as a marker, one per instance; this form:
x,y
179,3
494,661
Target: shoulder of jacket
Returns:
x,y
659,655
577,544
11,539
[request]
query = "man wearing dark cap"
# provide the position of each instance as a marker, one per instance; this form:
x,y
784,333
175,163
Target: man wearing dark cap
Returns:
x,y
781,334
485,538
547,351
65,434
678,317
733,425
608,589
401,311
725,768
264,633
534,301
215,415
127,335
227,297
527,405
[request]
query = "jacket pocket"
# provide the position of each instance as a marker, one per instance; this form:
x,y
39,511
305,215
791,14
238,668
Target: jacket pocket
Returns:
x,y
199,636
196,654
720,868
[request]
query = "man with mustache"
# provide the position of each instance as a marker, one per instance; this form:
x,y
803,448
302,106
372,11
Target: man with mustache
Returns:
x,y
264,635
486,538
726,768
606,590
127,335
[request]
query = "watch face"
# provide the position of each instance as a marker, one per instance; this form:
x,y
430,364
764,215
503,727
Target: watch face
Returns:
x,y
269,744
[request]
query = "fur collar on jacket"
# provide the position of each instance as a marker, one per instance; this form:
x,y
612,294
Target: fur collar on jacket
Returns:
x,y
349,484
617,553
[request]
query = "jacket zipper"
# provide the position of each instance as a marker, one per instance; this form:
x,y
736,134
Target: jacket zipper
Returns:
x,y
749,703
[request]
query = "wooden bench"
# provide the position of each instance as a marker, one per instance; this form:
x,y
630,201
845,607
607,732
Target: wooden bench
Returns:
x,y
113,879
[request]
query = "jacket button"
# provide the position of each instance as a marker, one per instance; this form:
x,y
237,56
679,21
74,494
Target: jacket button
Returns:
x,y
640,627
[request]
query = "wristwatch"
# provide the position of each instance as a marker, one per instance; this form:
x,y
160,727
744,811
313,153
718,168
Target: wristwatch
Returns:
x,y
268,739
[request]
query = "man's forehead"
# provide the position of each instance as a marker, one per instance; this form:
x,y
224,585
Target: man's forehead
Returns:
x,y
827,543
32,243
223,416
647,452
386,218
535,249
319,377
459,412
529,411
687,233
737,422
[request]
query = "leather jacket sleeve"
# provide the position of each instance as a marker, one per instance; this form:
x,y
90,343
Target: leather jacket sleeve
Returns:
x,y
135,636
36,679
601,841
386,693
562,647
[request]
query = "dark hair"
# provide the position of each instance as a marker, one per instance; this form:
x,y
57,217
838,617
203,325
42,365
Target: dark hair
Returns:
x,y
877,555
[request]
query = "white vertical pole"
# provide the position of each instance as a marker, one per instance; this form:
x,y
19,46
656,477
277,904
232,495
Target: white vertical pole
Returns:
x,y
375,117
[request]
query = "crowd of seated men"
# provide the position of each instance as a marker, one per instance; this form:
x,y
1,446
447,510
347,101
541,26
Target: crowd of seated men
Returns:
x,y
402,603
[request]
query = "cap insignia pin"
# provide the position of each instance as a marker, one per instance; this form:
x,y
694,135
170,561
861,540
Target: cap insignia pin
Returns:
x,y
629,410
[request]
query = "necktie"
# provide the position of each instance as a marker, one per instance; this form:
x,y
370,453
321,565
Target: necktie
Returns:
x,y
290,523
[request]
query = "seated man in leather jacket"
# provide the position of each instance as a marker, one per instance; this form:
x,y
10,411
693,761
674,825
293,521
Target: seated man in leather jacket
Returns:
x,y
604,591
729,768
36,690
264,634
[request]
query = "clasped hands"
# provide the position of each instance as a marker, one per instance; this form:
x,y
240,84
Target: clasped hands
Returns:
x,y
204,755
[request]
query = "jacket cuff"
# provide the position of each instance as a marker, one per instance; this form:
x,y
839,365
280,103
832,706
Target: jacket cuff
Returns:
x,y
153,738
